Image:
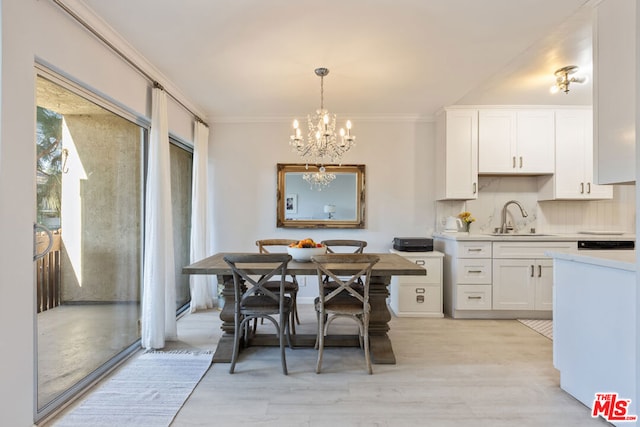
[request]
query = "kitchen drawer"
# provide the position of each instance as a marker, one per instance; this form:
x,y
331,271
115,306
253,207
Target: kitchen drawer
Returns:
x,y
417,300
530,249
470,249
473,297
473,271
433,267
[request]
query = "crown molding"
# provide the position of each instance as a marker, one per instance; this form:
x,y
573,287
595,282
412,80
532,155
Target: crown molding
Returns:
x,y
391,118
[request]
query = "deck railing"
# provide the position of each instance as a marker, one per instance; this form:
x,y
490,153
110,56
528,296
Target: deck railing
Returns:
x,y
48,273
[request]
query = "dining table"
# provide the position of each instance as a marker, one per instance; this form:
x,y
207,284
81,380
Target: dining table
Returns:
x,y
380,344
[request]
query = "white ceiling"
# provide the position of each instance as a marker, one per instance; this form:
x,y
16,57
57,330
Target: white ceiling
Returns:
x,y
255,58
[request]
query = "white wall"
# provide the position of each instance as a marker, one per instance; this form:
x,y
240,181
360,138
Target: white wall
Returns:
x,y
399,182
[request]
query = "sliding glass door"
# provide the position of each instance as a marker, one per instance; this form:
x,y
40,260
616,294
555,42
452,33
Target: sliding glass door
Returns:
x,y
89,230
89,194
181,163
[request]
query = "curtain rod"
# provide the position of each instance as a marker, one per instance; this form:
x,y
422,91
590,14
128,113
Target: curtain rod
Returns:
x,y
111,46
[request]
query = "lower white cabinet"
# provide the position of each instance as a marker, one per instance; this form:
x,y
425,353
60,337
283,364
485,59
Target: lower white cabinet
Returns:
x,y
522,284
498,279
418,296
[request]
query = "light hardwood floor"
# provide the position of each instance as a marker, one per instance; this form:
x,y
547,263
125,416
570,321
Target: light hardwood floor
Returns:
x,y
448,373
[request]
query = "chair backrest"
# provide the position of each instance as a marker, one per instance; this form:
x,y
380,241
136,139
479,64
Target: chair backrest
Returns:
x,y
333,245
280,244
345,271
243,269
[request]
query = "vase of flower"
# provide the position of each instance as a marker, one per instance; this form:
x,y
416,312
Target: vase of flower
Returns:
x,y
466,219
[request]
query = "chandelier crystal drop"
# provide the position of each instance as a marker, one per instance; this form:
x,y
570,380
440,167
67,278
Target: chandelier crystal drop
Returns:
x,y
322,145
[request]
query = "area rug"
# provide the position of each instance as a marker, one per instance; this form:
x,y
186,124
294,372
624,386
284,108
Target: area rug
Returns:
x,y
146,391
543,327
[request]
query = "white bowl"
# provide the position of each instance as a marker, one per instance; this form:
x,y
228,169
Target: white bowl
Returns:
x,y
305,254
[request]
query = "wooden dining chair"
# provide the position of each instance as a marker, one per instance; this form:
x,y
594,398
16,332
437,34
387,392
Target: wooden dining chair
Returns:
x,y
291,288
253,300
335,246
344,300
342,245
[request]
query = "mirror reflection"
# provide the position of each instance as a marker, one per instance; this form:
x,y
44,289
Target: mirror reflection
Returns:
x,y
338,204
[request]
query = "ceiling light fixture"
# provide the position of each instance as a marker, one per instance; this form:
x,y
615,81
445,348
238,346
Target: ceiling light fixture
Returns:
x,y
322,144
564,77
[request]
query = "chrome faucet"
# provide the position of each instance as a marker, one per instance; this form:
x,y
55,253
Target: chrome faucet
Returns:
x,y
504,227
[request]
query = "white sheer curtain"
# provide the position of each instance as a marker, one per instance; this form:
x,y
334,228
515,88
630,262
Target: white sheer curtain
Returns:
x,y
200,285
159,291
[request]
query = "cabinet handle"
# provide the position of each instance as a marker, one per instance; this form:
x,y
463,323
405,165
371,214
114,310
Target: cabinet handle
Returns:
x,y
514,162
532,274
539,271
520,162
420,290
474,271
470,297
420,262
420,299
582,188
588,188
475,188
474,249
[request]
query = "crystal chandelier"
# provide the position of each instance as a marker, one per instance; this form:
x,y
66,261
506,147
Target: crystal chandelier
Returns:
x,y
322,144
320,179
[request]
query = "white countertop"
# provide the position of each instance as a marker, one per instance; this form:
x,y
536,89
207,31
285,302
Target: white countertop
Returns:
x,y
619,259
525,237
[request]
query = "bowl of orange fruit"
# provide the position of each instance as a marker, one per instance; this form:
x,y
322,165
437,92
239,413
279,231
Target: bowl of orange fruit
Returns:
x,y
304,249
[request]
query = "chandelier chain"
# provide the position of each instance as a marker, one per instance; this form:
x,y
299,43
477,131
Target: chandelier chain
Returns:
x,y
322,92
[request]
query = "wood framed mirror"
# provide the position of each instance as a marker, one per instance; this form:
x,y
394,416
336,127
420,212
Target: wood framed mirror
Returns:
x,y
340,204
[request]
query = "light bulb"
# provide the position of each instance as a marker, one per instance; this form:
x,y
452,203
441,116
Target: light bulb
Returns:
x,y
554,89
295,124
349,124
326,119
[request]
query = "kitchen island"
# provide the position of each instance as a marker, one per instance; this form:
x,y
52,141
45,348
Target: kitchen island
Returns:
x,y
594,324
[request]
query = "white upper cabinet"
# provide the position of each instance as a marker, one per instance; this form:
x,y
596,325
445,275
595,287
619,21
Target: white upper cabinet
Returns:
x,y
457,155
614,91
519,142
573,179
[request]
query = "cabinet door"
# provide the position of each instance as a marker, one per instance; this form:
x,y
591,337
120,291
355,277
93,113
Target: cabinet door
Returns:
x,y
496,141
544,284
513,284
572,136
614,90
535,141
574,157
457,155
462,153
592,190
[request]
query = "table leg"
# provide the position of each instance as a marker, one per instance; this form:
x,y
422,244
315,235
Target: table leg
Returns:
x,y
224,349
380,344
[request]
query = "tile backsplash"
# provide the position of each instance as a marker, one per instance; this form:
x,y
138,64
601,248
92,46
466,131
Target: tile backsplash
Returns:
x,y
617,214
